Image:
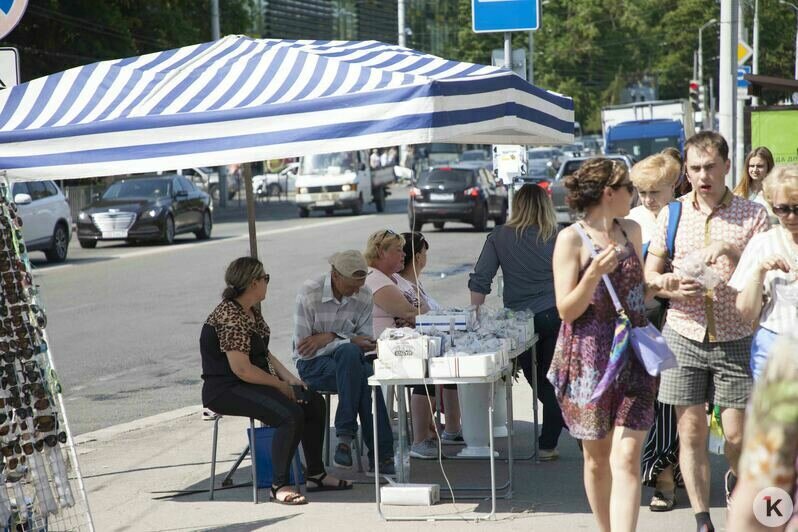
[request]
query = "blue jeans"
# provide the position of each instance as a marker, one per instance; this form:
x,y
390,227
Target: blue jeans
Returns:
x,y
346,373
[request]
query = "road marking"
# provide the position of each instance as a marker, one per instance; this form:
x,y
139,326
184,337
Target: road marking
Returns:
x,y
245,236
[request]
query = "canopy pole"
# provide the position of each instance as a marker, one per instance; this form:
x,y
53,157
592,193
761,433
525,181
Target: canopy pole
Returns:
x,y
253,239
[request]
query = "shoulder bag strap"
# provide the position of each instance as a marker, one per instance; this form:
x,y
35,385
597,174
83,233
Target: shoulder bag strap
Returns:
x,y
674,214
586,240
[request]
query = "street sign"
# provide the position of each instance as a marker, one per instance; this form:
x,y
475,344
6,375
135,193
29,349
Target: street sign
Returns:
x,y
504,15
10,13
742,83
509,161
744,52
9,68
519,60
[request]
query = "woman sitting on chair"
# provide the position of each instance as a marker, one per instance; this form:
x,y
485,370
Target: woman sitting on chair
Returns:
x,y
242,378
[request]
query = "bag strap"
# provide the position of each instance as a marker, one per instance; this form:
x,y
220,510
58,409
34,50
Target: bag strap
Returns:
x,y
674,215
586,240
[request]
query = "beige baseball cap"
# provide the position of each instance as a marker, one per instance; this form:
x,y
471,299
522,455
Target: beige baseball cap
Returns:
x,y
350,263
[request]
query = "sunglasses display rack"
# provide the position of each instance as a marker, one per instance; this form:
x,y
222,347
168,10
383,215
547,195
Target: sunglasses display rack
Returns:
x,y
41,488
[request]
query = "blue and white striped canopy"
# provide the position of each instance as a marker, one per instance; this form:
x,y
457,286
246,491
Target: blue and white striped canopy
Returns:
x,y
241,99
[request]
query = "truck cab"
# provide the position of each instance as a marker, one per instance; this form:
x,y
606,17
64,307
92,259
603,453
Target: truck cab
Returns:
x,y
641,138
342,180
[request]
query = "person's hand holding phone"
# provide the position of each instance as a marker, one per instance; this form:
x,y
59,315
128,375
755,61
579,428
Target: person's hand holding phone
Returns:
x,y
366,343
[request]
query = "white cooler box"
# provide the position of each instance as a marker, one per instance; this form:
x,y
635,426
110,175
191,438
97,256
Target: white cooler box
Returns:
x,y
480,365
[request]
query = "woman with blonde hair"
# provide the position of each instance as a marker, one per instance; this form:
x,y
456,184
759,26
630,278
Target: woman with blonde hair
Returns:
x,y
386,257
757,166
656,178
765,276
523,249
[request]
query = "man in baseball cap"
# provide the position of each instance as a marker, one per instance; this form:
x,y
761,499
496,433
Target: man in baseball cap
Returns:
x,y
332,331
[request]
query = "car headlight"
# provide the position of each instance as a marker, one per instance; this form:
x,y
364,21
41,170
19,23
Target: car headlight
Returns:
x,y
303,190
347,188
83,216
152,213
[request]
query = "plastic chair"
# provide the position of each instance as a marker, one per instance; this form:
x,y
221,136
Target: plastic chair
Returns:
x,y
251,445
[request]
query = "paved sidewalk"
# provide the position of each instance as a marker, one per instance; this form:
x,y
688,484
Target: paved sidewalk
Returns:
x,y
133,474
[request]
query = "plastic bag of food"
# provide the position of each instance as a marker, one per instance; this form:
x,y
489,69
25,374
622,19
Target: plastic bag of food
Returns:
x,y
693,267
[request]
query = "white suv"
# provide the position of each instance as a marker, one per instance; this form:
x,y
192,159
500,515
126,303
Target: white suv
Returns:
x,y
46,218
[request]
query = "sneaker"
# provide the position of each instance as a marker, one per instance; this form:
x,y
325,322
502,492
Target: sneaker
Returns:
x,y
729,482
343,455
548,455
387,468
425,450
452,438
209,415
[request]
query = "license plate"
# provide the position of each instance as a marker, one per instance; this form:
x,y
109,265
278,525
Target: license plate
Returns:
x,y
325,197
441,197
114,234
328,203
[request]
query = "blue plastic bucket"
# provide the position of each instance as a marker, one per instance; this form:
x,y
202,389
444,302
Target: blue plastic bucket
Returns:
x,y
263,458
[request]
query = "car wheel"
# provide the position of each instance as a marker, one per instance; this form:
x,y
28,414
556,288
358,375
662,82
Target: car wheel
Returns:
x,y
58,252
87,244
207,226
168,233
502,218
357,208
417,225
481,223
304,213
439,225
273,190
329,212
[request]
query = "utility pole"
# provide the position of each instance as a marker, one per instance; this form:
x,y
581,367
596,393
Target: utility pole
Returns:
x,y
222,169
214,20
700,77
727,84
739,130
794,8
755,63
531,75
400,16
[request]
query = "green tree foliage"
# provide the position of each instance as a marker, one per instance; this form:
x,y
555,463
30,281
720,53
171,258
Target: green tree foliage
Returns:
x,y
55,35
592,49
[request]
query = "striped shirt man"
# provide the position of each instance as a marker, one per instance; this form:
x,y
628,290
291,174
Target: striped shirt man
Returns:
x,y
318,311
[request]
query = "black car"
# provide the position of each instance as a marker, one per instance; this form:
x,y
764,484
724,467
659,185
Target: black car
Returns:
x,y
154,208
463,192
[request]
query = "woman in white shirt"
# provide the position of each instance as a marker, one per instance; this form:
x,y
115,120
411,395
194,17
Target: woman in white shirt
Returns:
x,y
385,256
766,276
655,178
758,165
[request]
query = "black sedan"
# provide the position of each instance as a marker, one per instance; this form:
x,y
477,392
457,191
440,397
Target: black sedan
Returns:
x,y
463,192
153,208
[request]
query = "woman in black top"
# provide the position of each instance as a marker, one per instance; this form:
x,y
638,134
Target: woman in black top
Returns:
x,y
241,378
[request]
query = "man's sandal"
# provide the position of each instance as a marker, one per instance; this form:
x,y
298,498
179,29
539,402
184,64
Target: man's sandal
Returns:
x,y
662,502
321,486
291,499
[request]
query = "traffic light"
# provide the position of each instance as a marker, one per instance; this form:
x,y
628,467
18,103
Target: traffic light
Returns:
x,y
702,101
694,101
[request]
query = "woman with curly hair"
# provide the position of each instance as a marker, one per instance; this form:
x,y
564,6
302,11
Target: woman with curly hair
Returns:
x,y
606,396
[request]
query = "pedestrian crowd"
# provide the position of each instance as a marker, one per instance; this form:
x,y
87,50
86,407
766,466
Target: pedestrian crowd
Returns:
x,y
714,270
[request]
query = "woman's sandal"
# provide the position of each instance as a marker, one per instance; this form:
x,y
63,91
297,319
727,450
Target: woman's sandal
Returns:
x,y
291,499
661,502
321,486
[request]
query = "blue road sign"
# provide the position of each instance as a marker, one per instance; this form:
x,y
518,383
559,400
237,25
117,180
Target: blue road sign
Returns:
x,y
504,15
742,83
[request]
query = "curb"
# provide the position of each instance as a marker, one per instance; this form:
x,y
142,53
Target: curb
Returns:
x,y
112,432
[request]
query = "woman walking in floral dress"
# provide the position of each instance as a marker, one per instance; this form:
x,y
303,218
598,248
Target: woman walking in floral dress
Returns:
x,y
612,423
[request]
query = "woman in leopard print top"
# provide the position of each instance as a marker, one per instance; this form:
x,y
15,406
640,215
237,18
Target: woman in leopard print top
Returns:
x,y
242,378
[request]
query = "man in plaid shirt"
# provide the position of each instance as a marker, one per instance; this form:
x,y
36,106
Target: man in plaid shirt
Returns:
x,y
332,331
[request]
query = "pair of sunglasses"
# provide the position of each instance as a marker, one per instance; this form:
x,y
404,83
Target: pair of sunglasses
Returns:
x,y
36,389
15,461
785,210
51,440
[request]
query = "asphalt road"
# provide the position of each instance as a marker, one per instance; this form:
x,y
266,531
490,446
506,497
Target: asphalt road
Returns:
x,y
124,321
